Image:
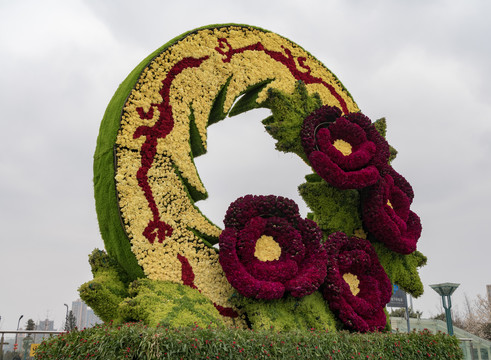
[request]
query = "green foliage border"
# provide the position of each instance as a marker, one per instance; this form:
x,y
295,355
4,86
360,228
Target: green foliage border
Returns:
x,y
136,341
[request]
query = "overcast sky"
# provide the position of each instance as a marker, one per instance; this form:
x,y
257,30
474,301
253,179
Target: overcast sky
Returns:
x,y
424,65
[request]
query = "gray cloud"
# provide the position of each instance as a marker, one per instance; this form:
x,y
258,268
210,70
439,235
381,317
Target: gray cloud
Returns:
x,y
422,64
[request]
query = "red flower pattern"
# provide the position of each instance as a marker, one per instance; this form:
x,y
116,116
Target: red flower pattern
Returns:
x,y
361,166
362,311
300,268
387,215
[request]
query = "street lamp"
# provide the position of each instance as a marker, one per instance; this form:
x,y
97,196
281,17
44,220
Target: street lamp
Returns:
x,y
66,318
445,290
16,334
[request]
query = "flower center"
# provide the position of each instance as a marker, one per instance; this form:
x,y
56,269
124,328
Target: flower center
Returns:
x,y
360,233
343,147
390,204
353,283
267,249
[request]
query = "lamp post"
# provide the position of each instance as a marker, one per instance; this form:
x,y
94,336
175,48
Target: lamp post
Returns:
x,y
445,290
66,318
18,322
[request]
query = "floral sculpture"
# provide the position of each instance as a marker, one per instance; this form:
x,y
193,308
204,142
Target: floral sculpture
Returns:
x,y
162,264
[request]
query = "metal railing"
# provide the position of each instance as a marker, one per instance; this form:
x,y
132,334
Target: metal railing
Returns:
x,y
29,332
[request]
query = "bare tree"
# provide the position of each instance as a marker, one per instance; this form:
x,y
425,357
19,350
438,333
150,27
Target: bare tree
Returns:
x,y
477,317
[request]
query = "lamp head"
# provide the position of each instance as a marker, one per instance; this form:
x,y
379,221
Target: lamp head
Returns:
x,y
445,289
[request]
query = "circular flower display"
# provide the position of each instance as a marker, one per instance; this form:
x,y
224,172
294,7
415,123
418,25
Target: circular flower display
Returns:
x,y
348,152
387,216
267,249
147,185
356,286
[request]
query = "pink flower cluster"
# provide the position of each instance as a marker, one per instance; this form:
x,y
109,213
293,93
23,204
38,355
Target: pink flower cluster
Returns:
x,y
369,152
301,265
364,310
386,195
387,215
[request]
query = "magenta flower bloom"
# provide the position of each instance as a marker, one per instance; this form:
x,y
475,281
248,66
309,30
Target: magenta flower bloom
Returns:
x,y
356,286
348,152
387,215
267,249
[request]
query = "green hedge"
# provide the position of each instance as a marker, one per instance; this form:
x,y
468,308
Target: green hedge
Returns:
x,y
136,341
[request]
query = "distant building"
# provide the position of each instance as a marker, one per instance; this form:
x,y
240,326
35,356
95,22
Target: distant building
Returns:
x,y
488,288
45,325
48,325
79,310
84,316
92,318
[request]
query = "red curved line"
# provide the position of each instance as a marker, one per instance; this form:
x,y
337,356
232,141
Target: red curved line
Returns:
x,y
159,130
288,61
187,277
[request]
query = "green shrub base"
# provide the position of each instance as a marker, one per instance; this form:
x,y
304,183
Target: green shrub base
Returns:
x,y
136,341
165,303
114,298
108,288
289,313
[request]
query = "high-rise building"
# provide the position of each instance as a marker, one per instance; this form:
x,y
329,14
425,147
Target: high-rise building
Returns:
x,y
48,325
45,325
488,288
92,318
84,316
79,310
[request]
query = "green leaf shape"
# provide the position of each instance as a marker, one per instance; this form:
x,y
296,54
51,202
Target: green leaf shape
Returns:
x,y
288,112
108,289
216,112
196,143
194,196
381,126
289,313
248,100
162,302
402,269
333,209
393,153
208,240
